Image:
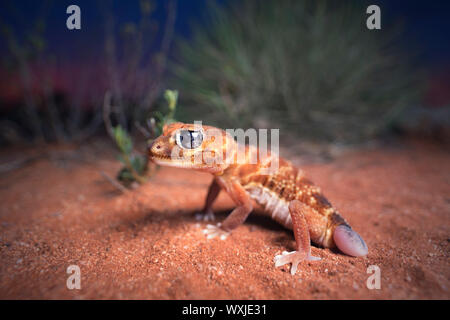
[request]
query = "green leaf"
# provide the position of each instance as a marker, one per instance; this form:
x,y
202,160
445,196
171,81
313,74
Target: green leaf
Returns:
x,y
123,140
125,175
138,164
171,97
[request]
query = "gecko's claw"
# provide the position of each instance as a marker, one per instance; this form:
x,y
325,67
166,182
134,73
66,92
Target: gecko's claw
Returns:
x,y
205,216
212,231
294,257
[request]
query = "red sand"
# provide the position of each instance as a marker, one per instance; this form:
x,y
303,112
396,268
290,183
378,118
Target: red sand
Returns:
x,y
146,244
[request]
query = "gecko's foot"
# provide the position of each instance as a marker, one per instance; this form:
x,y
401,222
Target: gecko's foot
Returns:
x,y
205,216
294,257
212,231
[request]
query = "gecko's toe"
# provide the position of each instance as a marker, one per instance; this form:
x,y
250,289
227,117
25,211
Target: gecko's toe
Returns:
x,y
212,231
294,257
349,241
205,216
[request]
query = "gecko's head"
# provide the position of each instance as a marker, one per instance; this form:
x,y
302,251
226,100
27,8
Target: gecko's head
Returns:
x,y
192,146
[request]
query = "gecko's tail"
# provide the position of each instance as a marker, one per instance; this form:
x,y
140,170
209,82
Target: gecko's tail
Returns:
x,y
340,234
349,241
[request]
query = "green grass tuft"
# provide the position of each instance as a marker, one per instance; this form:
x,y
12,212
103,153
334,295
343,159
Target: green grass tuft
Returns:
x,y
311,68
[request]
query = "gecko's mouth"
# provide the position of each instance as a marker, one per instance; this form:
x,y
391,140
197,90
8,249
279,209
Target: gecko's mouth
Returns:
x,y
171,162
159,157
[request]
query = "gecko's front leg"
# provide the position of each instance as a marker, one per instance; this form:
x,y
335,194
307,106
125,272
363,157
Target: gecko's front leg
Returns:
x,y
207,213
237,216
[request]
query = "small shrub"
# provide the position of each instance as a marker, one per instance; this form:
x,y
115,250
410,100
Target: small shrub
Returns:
x,y
42,112
171,97
135,166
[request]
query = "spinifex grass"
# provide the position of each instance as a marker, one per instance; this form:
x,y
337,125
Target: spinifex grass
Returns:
x,y
311,68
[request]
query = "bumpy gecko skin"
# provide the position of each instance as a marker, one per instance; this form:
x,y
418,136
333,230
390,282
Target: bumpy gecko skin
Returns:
x,y
285,194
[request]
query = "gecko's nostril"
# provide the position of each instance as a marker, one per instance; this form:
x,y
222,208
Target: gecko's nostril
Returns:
x,y
158,147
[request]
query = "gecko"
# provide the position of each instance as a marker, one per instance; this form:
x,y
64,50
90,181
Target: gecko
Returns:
x,y
285,194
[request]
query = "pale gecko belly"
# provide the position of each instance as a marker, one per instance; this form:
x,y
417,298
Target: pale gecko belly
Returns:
x,y
276,208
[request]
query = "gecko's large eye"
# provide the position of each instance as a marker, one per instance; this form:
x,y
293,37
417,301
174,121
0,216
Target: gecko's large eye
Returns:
x,y
189,139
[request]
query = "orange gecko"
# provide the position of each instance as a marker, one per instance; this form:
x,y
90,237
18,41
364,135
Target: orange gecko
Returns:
x,y
247,176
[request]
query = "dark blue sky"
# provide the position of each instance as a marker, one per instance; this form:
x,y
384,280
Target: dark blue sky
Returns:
x,y
427,26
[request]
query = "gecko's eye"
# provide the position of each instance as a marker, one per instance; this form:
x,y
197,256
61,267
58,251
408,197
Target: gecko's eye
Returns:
x,y
189,139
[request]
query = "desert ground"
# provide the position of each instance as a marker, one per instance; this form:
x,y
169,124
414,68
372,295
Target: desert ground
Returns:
x,y
58,210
